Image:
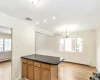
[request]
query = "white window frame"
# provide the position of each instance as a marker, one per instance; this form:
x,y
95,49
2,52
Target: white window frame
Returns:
x,y
4,45
76,44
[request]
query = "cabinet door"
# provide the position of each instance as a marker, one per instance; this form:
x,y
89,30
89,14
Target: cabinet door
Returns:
x,y
30,72
45,74
37,72
24,70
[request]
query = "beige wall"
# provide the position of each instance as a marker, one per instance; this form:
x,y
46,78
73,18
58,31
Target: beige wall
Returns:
x,y
5,56
98,48
22,44
23,36
49,45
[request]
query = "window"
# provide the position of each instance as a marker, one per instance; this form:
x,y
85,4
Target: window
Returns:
x,y
71,44
5,44
1,44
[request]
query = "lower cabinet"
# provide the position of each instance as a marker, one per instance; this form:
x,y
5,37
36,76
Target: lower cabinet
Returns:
x,y
30,72
37,73
33,70
45,75
24,70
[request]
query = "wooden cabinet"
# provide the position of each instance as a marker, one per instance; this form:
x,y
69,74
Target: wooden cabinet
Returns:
x,y
37,73
37,64
30,72
30,62
33,70
24,70
45,66
45,75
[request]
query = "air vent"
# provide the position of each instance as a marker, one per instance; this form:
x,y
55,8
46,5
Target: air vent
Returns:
x,y
33,1
28,19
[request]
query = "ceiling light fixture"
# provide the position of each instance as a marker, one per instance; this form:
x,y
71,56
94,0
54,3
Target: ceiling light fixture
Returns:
x,y
45,21
54,18
33,1
66,34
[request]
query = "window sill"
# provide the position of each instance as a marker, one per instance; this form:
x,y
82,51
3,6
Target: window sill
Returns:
x,y
5,51
70,52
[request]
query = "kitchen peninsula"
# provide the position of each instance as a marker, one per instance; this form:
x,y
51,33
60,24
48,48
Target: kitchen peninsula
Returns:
x,y
40,67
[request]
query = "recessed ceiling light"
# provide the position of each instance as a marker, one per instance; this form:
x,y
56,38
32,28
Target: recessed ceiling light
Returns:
x,y
33,1
37,22
45,21
54,18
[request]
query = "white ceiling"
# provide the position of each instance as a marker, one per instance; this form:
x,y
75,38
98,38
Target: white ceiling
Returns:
x,y
74,14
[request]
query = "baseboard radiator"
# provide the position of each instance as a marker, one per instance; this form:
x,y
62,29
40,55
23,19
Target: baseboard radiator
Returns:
x,y
1,60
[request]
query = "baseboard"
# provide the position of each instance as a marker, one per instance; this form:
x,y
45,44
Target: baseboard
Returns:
x,y
5,60
79,63
22,79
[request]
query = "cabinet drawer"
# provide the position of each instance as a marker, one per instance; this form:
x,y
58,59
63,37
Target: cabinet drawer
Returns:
x,y
45,66
30,62
37,64
24,60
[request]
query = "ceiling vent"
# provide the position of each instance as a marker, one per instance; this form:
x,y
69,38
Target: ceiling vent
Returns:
x,y
33,1
28,19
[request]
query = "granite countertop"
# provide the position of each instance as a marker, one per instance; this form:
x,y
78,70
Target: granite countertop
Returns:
x,y
44,59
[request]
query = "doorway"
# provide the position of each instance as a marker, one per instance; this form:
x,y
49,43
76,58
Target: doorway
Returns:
x,y
5,53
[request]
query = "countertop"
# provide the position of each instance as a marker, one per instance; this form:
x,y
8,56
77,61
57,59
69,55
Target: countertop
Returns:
x,y
44,59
